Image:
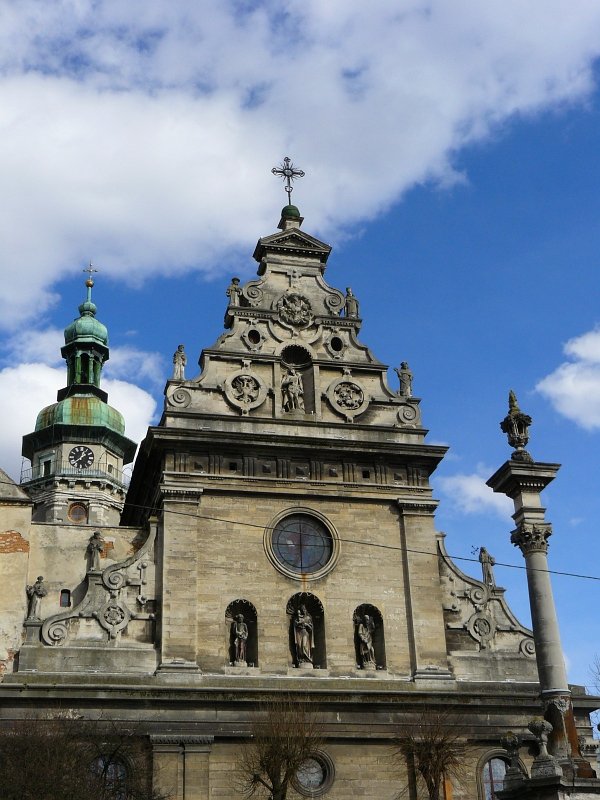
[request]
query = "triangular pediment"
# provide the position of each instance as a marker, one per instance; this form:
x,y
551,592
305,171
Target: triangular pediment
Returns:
x,y
10,491
295,241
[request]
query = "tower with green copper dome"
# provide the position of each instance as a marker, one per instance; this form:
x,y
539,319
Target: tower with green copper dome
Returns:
x,y
78,448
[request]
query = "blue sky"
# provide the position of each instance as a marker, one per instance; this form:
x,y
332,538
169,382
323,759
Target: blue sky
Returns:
x,y
451,159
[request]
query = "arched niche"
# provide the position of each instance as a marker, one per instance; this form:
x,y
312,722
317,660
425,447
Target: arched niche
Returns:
x,y
232,614
296,359
368,629
306,628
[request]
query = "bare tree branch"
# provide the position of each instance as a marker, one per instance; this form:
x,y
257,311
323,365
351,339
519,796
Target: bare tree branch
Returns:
x,y
434,747
285,732
64,757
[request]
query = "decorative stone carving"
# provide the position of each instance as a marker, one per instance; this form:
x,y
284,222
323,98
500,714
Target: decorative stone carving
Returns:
x,y
244,390
179,362
304,636
527,648
105,598
348,395
482,628
334,302
180,398
234,292
513,776
487,566
253,293
544,765
95,549
405,377
351,304
292,391
35,593
408,415
295,309
532,538
516,426
253,338
239,633
365,628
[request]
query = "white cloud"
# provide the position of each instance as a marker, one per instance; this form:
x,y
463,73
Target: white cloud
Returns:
x,y
573,387
27,388
127,128
468,494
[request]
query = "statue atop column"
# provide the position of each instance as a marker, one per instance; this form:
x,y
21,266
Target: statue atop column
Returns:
x,y
35,593
292,391
405,377
487,567
179,362
304,636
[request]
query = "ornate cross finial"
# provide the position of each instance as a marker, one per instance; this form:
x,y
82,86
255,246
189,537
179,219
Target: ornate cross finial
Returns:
x,y
289,173
90,270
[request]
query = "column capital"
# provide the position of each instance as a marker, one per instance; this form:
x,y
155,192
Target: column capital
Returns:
x,y
517,477
532,538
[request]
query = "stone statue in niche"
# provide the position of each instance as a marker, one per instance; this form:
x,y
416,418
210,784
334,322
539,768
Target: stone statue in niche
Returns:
x,y
351,304
179,362
239,634
35,593
405,377
364,631
234,292
487,567
292,391
304,636
95,549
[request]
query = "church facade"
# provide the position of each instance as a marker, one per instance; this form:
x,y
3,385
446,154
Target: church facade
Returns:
x,y
277,538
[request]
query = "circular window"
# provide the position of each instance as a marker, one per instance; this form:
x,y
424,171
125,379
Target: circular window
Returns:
x,y
253,336
77,513
302,544
336,344
314,776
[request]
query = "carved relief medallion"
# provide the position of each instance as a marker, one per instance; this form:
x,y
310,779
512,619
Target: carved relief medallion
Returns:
x,y
295,309
348,395
482,628
243,390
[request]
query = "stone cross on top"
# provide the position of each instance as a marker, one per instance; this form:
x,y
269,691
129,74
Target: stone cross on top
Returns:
x,y
289,173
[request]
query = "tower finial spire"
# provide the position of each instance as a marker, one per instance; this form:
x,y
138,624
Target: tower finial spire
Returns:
x,y
289,173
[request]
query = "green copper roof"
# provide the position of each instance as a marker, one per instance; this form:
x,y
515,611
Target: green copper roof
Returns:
x,y
86,328
81,409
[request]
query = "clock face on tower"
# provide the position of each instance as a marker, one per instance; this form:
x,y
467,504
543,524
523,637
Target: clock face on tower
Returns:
x,y
81,457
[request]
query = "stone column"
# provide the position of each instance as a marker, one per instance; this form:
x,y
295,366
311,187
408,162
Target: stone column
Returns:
x,y
523,480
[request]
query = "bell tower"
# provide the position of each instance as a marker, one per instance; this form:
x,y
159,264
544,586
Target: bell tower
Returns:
x,y
78,448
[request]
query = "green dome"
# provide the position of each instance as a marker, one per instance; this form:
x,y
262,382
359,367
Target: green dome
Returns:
x,y
290,212
86,328
81,409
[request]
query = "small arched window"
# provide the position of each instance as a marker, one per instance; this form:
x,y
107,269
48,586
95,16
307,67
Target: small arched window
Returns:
x,y
492,777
